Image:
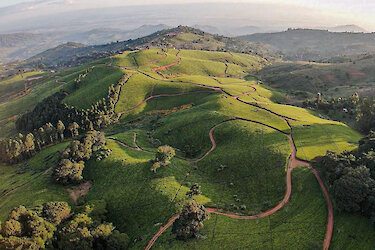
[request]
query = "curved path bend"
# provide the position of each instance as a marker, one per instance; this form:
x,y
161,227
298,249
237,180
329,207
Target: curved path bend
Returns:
x,y
293,162
164,67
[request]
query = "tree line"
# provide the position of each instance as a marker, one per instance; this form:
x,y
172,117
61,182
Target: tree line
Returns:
x,y
37,130
350,177
54,226
360,110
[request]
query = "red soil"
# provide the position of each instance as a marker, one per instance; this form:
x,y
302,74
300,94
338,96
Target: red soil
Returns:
x,y
292,163
161,231
169,65
355,72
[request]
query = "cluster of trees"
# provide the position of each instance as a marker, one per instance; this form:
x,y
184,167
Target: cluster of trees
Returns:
x,y
25,145
69,170
350,177
360,110
162,157
53,226
191,218
39,131
366,115
77,81
348,104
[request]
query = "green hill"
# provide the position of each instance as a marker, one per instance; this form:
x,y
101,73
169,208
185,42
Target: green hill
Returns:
x,y
315,45
181,37
302,80
230,138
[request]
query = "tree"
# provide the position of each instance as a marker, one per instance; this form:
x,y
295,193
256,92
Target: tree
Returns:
x,y
50,131
56,212
73,128
352,189
29,143
25,228
60,128
68,172
41,135
190,221
11,228
164,154
194,190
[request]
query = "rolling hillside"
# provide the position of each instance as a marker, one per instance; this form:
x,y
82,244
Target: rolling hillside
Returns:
x,y
180,38
303,80
315,45
248,153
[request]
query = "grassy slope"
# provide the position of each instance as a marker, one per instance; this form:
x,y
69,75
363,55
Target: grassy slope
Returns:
x,y
336,79
94,87
36,184
253,157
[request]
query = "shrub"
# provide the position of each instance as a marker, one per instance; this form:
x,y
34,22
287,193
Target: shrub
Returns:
x,y
190,221
164,154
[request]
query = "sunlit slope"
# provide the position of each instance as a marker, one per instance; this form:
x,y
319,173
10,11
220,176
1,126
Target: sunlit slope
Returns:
x,y
181,98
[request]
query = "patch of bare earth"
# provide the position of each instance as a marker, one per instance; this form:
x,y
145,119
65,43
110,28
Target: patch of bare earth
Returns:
x,y
79,191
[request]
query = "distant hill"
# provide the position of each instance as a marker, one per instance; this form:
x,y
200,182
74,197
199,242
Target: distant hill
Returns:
x,y
348,28
180,37
20,46
308,44
342,78
16,39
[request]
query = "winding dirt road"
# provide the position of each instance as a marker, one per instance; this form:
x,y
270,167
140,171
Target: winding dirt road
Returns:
x,y
292,163
164,67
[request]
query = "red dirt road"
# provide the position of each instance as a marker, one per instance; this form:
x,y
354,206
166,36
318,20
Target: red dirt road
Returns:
x,y
168,65
292,163
161,231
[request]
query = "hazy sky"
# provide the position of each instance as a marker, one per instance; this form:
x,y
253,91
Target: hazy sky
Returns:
x,y
302,13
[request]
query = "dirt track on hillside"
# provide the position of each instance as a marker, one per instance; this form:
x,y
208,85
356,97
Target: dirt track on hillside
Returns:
x,y
292,163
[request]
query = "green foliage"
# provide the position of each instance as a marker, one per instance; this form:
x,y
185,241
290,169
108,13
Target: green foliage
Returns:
x,y
164,154
351,178
26,229
56,212
69,170
190,221
194,190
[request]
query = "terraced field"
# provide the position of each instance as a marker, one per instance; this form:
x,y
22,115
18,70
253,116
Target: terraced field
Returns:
x,y
231,138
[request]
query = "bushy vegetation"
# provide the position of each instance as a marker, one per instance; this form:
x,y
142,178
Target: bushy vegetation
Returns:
x,y
69,170
357,111
54,226
351,177
52,111
162,157
190,221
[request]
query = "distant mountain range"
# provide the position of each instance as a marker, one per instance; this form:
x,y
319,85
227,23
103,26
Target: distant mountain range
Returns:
x,y
19,46
316,45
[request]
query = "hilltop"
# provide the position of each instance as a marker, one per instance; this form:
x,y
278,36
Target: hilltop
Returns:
x,y
315,45
180,38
